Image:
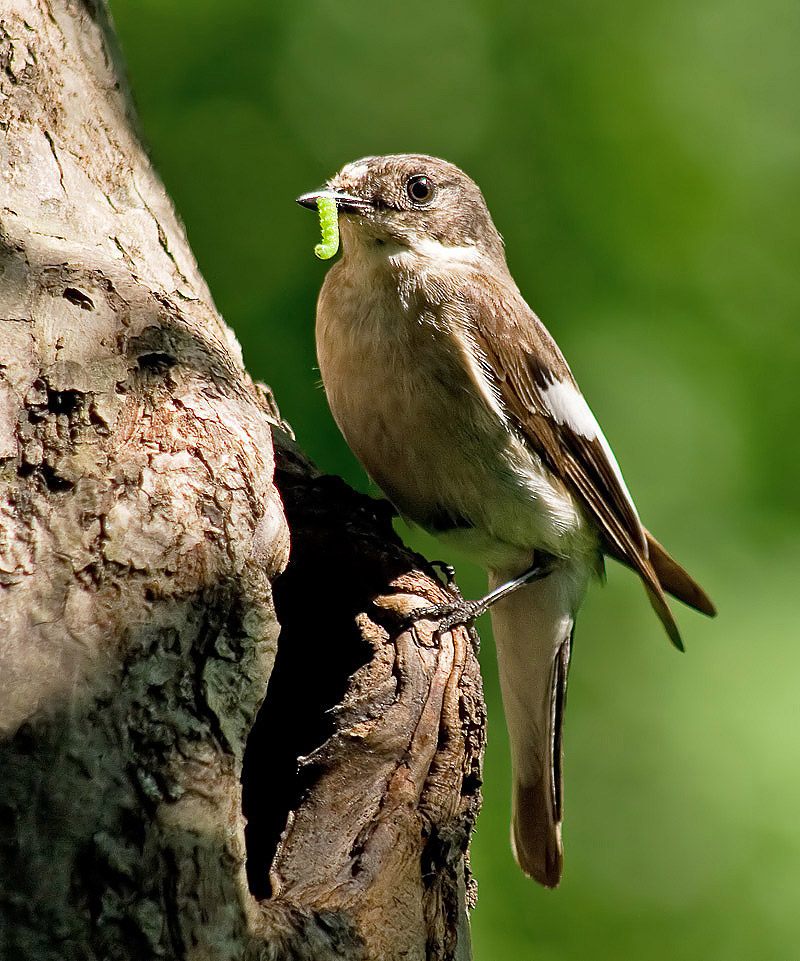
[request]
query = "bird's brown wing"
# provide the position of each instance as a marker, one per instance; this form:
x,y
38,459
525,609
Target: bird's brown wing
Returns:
x,y
539,393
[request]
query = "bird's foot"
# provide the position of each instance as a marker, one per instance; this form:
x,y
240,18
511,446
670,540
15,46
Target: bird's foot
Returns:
x,y
447,614
450,613
461,611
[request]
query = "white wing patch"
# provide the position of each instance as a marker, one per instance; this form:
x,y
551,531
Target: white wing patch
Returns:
x,y
568,407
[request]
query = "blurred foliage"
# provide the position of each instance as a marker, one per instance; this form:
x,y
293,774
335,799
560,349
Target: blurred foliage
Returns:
x,y
641,160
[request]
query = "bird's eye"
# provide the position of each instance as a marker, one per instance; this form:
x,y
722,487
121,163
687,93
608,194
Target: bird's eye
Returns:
x,y
421,190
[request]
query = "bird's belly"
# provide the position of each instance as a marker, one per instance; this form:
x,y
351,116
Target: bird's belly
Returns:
x,y
416,421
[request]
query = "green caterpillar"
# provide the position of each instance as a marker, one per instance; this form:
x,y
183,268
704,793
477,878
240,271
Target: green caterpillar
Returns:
x,y
329,225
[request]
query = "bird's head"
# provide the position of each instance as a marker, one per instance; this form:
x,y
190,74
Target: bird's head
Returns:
x,y
410,203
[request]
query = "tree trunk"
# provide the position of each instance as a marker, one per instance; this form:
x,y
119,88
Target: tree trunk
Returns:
x,y
143,529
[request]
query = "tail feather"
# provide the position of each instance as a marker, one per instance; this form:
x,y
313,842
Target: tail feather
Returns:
x,y
538,809
659,604
674,579
535,835
533,633
661,573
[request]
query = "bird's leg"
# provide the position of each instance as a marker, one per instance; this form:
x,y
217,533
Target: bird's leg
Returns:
x,y
462,611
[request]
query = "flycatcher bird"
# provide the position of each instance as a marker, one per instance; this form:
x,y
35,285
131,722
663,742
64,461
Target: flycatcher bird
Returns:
x,y
462,409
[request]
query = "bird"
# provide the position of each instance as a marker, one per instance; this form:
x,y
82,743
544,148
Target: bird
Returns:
x,y
462,409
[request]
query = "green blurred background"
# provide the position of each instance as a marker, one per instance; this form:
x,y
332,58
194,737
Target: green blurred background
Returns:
x,y
641,159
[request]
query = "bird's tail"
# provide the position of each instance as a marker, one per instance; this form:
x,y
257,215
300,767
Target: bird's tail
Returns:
x,y
675,580
533,633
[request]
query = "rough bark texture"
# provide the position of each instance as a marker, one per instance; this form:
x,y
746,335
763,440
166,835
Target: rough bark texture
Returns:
x,y
141,535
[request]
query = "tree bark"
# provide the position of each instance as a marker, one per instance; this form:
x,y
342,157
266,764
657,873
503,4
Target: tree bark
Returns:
x,y
150,555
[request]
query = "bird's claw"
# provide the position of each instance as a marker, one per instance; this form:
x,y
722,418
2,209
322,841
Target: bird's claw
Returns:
x,y
449,573
449,615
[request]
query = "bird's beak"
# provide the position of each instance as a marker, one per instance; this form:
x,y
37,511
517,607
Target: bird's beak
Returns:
x,y
344,202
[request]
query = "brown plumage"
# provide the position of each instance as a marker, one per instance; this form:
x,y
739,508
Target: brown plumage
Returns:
x,y
460,405
523,361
